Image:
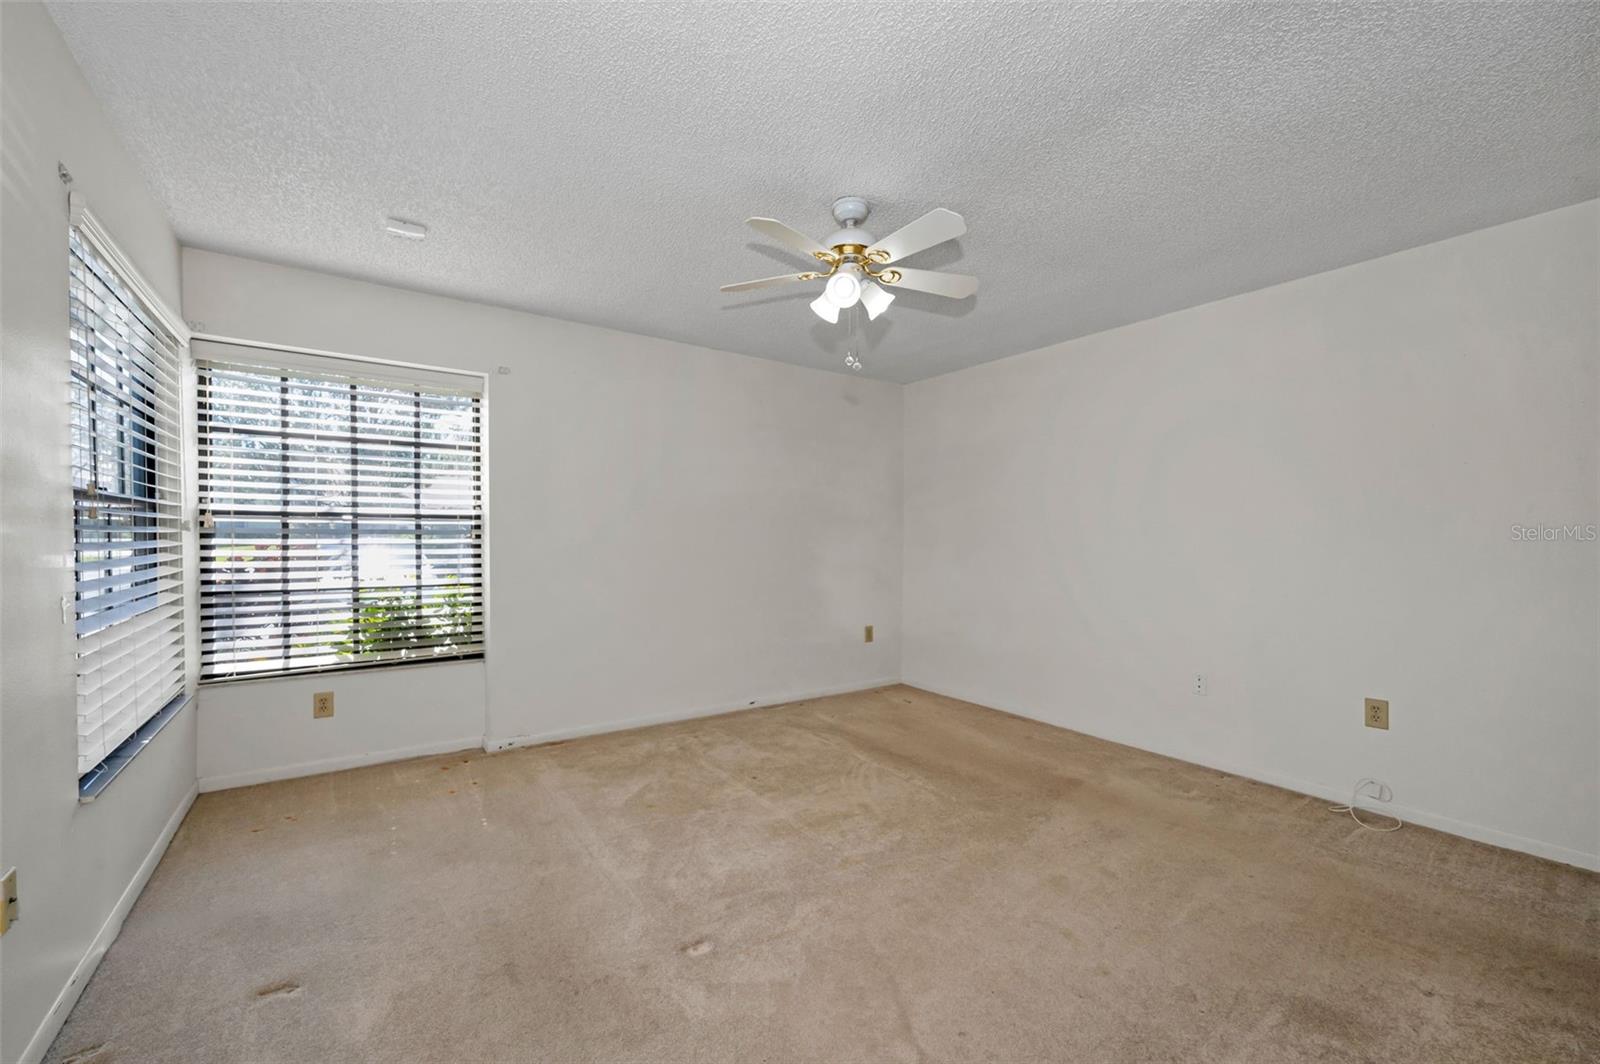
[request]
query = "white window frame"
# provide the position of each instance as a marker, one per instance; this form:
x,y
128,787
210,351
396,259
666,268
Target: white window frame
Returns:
x,y
92,780
381,372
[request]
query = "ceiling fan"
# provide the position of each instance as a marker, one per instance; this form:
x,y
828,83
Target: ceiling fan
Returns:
x,y
857,263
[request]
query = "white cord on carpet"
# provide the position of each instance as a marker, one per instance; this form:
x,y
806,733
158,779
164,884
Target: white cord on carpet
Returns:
x,y
1379,792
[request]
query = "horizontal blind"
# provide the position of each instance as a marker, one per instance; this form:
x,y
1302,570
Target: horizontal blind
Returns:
x,y
127,489
341,515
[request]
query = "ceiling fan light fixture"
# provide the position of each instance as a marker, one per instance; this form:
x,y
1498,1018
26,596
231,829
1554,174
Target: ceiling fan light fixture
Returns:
x,y
826,310
843,289
876,299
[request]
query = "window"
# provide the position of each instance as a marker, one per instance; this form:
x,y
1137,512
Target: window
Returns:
x,y
341,519
126,505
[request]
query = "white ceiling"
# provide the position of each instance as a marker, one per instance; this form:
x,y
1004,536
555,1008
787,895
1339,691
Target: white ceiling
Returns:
x,y
595,161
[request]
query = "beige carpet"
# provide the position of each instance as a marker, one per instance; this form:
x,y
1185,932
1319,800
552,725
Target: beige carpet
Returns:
x,y
876,877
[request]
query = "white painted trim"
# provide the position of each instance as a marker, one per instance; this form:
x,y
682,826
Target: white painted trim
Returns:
x,y
268,345
559,734
88,224
486,543
450,746
223,683
53,1020
1425,818
337,764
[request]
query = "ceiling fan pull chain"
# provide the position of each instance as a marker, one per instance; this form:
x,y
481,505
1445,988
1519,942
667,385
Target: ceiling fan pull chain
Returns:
x,y
850,358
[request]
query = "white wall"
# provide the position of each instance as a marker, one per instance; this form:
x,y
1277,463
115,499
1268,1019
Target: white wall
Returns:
x,y
257,730
672,530
78,865
1306,493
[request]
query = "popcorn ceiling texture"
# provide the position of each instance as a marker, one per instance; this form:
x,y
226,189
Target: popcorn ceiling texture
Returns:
x,y
595,161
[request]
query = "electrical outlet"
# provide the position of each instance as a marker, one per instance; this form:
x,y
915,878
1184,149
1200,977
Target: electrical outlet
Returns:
x,y
1200,685
866,636
1376,713
322,704
8,901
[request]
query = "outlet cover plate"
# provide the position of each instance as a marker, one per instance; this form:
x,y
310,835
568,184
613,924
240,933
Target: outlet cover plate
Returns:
x,y
322,704
8,900
1375,712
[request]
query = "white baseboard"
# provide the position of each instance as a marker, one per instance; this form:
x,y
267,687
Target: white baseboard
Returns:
x,y
249,778
558,734
1412,815
336,764
50,1026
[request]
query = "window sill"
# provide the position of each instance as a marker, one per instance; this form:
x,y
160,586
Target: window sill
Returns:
x,y
94,782
337,670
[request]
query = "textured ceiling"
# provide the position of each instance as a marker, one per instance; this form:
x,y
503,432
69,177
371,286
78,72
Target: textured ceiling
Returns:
x,y
595,161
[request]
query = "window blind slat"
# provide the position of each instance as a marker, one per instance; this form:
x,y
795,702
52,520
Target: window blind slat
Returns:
x,y
345,518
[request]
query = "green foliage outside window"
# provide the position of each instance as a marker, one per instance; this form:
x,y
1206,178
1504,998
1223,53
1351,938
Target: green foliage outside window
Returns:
x,y
386,620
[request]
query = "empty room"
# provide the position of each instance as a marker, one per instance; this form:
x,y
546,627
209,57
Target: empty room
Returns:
x,y
799,532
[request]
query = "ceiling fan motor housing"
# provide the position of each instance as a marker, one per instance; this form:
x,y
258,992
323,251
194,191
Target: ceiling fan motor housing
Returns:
x,y
850,236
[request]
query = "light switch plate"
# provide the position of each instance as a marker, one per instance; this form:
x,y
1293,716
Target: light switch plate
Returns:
x,y
867,635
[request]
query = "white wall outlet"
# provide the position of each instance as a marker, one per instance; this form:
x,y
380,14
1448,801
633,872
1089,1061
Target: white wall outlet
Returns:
x,y
1200,685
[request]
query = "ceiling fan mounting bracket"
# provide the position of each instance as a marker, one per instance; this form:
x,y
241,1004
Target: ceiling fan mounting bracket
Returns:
x,y
850,210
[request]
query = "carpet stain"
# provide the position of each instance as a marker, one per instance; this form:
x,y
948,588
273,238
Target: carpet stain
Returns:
x,y
96,1054
285,988
698,949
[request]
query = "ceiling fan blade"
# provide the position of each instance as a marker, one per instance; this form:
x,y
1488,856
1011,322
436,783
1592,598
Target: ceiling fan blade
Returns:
x,y
953,285
768,282
935,227
790,238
